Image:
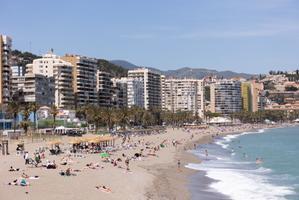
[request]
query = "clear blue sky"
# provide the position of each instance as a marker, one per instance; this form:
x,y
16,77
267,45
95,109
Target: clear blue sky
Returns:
x,y
241,35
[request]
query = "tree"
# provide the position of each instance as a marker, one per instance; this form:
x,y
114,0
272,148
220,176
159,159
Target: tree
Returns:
x,y
54,111
25,122
109,117
34,108
94,116
13,109
124,117
147,118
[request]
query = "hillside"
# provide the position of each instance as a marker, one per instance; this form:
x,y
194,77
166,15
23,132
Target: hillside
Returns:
x,y
124,64
20,58
186,72
115,70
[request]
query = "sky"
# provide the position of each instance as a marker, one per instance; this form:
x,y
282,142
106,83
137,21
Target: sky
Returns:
x,y
252,36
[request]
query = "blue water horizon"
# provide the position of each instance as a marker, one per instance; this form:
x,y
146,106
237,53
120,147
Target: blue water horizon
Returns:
x,y
231,163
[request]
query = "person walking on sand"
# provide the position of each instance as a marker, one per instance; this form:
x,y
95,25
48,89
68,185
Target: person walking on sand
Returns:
x,y
206,152
127,161
26,157
179,164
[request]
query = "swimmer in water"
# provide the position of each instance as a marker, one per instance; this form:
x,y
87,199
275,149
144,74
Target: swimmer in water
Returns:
x,y
206,152
258,160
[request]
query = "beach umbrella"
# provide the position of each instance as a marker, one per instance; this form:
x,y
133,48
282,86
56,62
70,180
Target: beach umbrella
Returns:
x,y
104,155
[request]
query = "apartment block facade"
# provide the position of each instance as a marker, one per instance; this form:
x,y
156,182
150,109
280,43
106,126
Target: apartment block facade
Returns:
x,y
183,95
144,88
5,69
104,88
246,96
225,97
52,67
84,75
119,96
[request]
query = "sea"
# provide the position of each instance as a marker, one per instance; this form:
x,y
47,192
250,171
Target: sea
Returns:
x,y
258,165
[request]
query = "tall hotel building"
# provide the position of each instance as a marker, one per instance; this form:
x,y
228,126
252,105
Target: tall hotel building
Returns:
x,y
183,95
57,71
104,89
119,97
5,69
144,88
226,97
84,79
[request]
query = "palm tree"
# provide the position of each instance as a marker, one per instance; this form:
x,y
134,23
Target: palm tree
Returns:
x,y
13,109
110,117
54,111
94,115
147,119
34,108
124,117
25,122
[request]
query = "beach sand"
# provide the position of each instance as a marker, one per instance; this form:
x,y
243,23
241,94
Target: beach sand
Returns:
x,y
152,177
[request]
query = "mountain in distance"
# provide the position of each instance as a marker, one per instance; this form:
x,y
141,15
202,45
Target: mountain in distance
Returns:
x,y
124,64
187,72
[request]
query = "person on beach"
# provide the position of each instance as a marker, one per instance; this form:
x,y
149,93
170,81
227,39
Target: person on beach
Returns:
x,y
26,157
206,152
127,161
179,164
12,169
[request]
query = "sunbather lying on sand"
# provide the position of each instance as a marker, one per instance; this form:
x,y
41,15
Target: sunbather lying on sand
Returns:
x,y
103,188
20,182
12,169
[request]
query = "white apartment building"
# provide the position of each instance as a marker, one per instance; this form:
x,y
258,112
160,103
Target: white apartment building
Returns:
x,y
51,66
183,95
84,76
5,69
144,88
17,71
226,97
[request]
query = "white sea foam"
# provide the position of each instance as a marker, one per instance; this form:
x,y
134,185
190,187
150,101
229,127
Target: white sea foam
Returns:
x,y
246,186
243,184
227,139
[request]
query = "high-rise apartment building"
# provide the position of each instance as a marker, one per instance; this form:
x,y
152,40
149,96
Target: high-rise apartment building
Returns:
x,y
104,88
226,97
246,96
51,66
257,96
38,89
183,95
119,96
144,88
84,75
5,69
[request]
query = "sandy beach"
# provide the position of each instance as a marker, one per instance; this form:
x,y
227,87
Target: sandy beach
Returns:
x,y
154,176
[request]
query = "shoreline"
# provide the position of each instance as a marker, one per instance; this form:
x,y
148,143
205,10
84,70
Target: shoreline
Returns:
x,y
154,176
169,184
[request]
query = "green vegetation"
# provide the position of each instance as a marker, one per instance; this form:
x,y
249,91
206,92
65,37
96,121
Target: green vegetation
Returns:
x,y
132,117
48,123
291,88
111,68
20,58
261,116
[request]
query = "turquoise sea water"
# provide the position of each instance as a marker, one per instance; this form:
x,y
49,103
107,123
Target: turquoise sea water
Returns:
x,y
231,162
